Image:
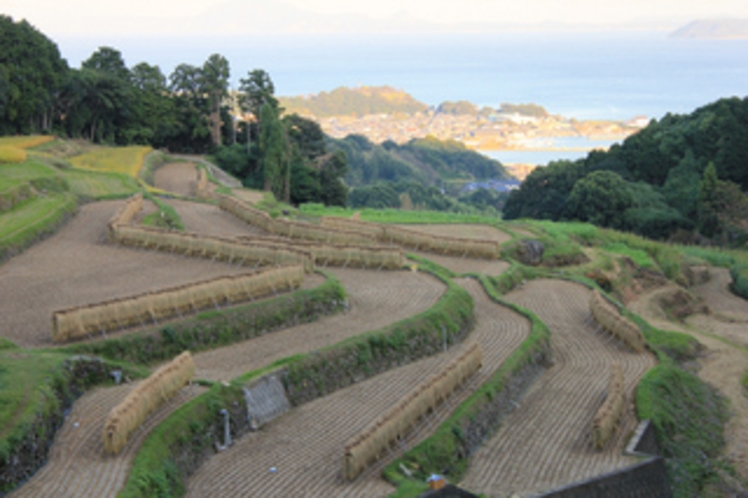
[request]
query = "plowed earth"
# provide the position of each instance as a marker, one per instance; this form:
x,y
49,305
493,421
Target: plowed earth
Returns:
x,y
77,266
305,446
180,178
724,364
77,465
545,442
375,299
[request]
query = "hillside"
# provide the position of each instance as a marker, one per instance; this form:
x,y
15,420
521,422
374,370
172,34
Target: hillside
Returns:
x,y
359,101
722,29
683,174
425,160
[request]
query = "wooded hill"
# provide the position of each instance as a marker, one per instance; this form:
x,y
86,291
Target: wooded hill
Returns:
x,y
358,101
684,172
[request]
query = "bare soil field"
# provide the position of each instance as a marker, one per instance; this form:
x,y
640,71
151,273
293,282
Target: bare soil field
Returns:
x,y
179,178
716,294
78,266
491,267
375,299
306,445
545,442
209,219
462,231
722,366
250,196
77,464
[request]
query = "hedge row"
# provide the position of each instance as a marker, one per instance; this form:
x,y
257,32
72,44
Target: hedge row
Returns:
x,y
219,328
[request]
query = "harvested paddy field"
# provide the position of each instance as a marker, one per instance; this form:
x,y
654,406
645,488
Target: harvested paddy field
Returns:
x,y
375,299
723,364
545,442
716,294
179,178
209,219
491,267
77,464
78,266
462,231
306,445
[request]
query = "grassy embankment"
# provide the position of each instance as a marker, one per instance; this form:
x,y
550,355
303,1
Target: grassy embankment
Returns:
x,y
179,444
35,389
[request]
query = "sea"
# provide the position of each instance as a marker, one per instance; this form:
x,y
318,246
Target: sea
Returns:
x,y
588,75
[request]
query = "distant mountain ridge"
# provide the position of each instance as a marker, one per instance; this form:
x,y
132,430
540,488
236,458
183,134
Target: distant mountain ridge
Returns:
x,y
359,101
722,29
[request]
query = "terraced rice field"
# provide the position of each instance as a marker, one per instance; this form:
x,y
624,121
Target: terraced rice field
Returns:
x,y
209,219
545,442
77,266
375,299
306,445
180,178
724,364
491,267
462,231
77,465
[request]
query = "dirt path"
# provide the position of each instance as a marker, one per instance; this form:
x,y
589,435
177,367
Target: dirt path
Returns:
x,y
179,178
545,442
463,231
208,219
722,367
77,266
306,445
77,464
376,299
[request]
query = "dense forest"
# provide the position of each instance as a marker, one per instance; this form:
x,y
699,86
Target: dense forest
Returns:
x,y
684,176
104,101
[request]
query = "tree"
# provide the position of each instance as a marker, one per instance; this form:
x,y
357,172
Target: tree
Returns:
x,y
274,154
109,61
214,79
600,198
257,90
192,132
708,219
31,74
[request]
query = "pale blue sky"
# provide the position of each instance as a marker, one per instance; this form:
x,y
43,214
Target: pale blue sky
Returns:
x,y
150,17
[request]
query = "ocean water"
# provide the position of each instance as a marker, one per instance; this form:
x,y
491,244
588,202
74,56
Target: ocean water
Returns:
x,y
585,75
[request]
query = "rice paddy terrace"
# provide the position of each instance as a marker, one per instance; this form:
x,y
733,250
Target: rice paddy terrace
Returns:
x,y
543,442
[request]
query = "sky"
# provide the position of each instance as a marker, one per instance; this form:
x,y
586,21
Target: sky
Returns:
x,y
144,18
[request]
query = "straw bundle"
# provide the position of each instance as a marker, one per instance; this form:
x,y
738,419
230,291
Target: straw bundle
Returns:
x,y
477,248
124,216
145,308
144,399
607,417
201,187
377,257
217,248
373,229
393,425
607,315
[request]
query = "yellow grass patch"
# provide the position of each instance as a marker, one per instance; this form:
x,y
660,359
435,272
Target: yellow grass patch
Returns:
x,y
125,160
9,154
25,142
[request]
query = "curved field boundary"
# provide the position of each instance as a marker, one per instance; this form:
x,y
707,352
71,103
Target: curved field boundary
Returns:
x,y
77,464
620,327
353,256
545,443
304,445
419,240
161,385
393,425
201,188
215,248
291,229
117,314
128,212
